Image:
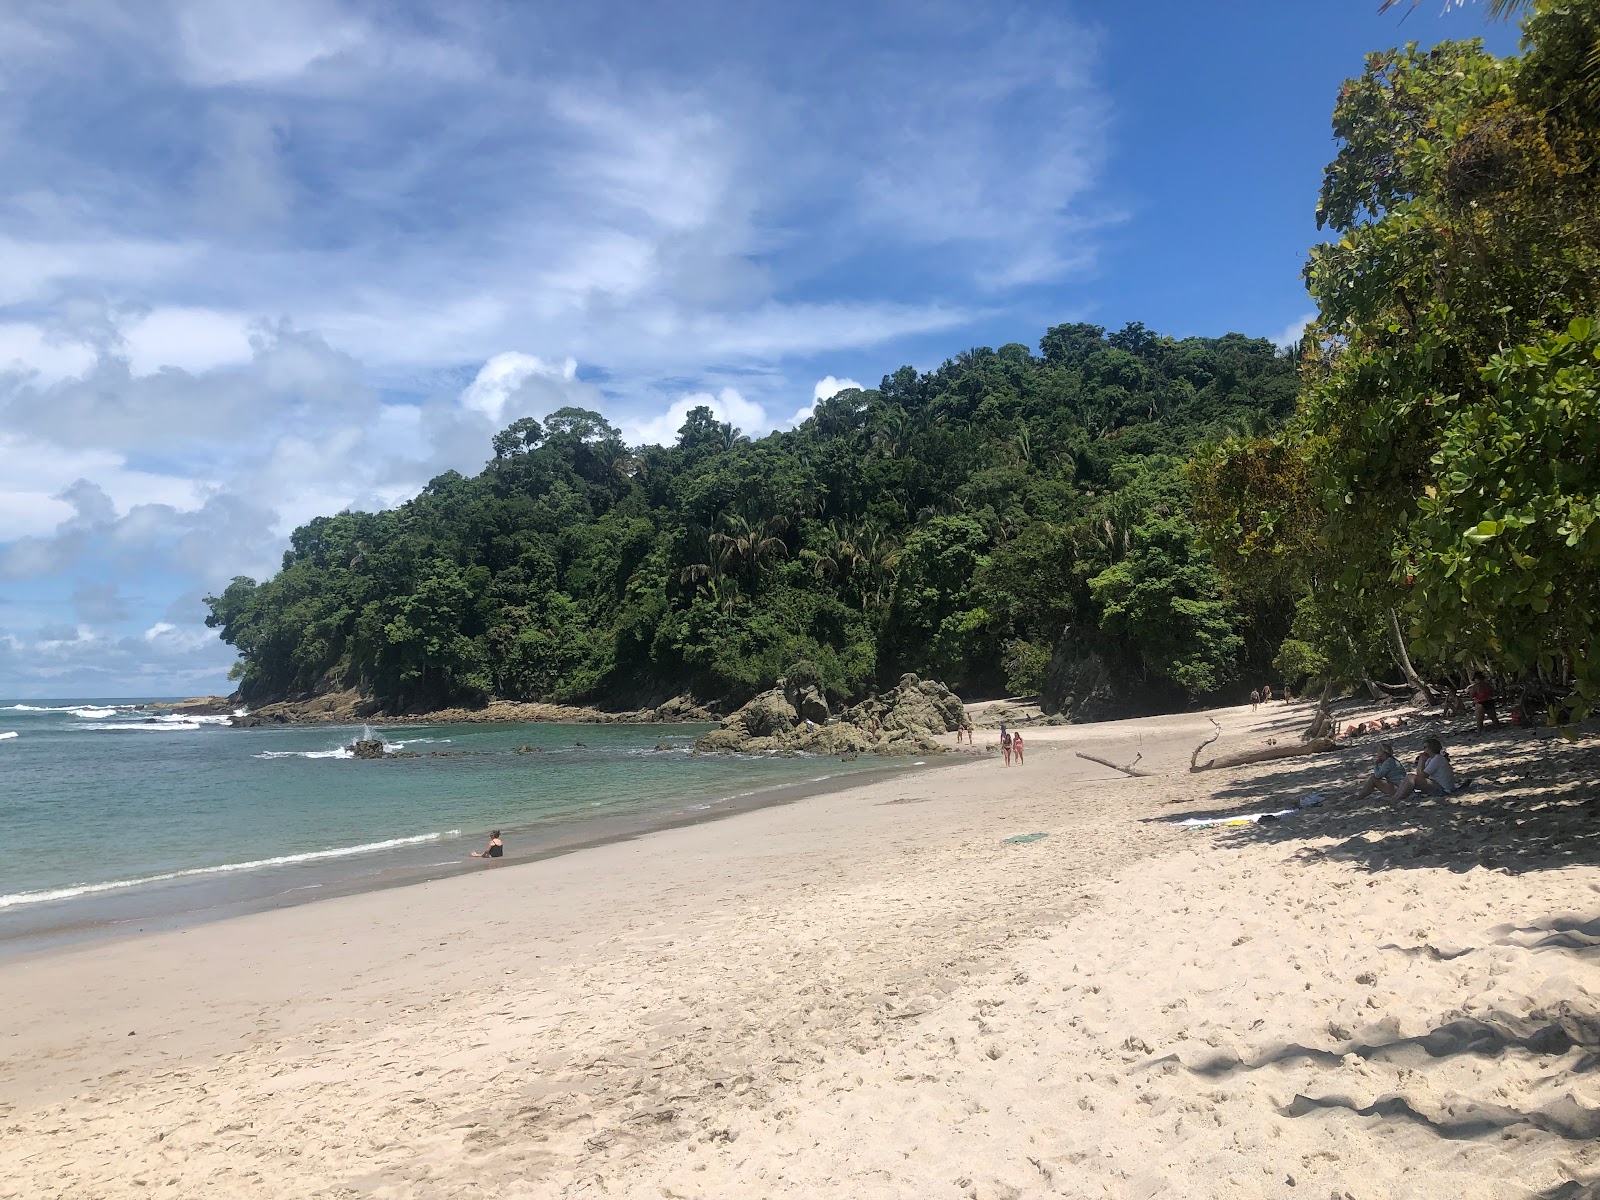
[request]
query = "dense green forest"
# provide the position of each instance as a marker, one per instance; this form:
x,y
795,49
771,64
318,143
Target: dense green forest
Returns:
x,y
1120,521
967,524
1432,503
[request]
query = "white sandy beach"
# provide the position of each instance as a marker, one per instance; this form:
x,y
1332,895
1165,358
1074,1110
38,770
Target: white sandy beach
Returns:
x,y
869,993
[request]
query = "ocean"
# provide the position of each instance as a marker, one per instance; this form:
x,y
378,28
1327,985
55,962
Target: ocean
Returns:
x,y
116,817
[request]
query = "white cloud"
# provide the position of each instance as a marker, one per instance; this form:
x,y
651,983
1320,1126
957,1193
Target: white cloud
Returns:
x,y
240,41
192,339
728,405
317,252
1294,331
504,375
828,387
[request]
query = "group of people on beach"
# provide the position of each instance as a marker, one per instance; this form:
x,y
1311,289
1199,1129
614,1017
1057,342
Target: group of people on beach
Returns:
x,y
1263,695
1432,774
1010,745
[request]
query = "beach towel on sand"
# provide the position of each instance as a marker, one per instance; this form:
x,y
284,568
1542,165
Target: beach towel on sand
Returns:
x,y
1026,837
1243,819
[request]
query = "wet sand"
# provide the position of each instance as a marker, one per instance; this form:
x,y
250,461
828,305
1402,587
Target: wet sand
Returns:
x,y
871,993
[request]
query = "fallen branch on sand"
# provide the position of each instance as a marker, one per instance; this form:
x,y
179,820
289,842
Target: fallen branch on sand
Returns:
x,y
1130,769
1193,757
1291,750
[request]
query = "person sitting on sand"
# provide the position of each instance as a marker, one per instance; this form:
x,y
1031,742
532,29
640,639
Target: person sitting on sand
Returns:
x,y
1016,747
1483,701
1434,776
494,849
1387,774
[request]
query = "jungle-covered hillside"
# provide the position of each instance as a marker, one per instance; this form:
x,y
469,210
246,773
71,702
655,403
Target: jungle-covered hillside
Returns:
x,y
970,524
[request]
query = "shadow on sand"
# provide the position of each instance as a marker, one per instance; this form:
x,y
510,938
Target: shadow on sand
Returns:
x,y
1533,805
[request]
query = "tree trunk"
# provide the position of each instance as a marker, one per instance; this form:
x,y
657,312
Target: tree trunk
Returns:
x,y
1193,758
1290,750
1321,724
1420,694
1130,769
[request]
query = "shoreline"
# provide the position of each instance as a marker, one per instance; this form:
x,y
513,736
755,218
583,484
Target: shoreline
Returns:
x,y
568,837
876,992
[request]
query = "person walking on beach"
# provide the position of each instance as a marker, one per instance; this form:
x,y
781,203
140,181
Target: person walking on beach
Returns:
x,y
1016,747
1005,746
1255,699
495,849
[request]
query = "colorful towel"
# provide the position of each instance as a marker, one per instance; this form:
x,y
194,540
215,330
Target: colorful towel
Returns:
x,y
1246,819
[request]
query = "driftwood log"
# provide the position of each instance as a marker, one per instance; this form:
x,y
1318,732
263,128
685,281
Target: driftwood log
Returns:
x,y
1288,750
1193,758
1130,769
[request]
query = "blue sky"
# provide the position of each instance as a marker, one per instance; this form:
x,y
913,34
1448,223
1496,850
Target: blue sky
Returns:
x,y
269,261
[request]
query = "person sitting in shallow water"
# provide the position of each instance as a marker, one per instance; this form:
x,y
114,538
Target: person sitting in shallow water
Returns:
x,y
1387,774
495,849
1434,776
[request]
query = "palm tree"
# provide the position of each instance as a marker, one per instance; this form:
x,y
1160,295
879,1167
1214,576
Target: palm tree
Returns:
x,y
1499,9
749,542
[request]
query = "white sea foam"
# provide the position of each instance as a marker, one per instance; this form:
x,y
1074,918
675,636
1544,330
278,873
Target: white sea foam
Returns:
x,y
168,725
336,752
86,889
5,736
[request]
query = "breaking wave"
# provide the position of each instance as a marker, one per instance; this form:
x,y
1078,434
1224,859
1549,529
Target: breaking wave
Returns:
x,y
86,889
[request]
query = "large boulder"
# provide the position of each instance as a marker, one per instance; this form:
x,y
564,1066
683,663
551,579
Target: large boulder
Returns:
x,y
768,715
794,717
921,707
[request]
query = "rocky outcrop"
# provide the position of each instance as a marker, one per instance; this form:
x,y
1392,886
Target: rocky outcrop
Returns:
x,y
1077,686
203,706
366,748
352,707
794,717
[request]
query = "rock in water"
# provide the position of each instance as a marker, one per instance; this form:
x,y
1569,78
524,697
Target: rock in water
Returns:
x,y
366,748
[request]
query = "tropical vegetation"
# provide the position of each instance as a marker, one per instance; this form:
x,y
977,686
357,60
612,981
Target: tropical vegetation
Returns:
x,y
971,523
1438,479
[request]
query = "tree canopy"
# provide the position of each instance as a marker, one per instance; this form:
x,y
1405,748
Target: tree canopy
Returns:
x,y
967,523
1442,465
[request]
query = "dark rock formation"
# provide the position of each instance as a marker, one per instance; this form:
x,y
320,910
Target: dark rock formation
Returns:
x,y
793,717
351,706
367,748
1077,686
204,706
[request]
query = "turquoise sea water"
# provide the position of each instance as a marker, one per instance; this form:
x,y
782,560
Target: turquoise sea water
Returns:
x,y
113,815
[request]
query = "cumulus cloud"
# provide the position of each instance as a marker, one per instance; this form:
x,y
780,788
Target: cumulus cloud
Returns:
x,y
316,253
826,388
727,404
1294,331
505,378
